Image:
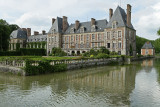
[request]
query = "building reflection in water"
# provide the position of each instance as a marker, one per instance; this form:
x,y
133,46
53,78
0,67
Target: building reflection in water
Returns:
x,y
147,63
108,85
114,86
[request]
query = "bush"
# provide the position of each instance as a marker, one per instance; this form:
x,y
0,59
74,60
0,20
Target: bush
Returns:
x,y
102,55
36,52
91,56
58,52
43,68
10,53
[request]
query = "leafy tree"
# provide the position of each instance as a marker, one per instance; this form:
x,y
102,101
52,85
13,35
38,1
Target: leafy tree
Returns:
x,y
5,31
158,32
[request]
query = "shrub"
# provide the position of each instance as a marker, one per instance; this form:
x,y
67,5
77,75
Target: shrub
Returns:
x,y
58,52
102,55
37,52
43,68
91,56
10,53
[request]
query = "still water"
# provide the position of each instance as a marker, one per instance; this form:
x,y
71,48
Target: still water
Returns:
x,y
136,85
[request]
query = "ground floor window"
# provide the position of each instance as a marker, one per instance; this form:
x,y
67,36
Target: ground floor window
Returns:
x,y
108,45
119,52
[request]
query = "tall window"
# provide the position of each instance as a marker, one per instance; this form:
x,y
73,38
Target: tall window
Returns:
x,y
81,37
119,34
108,45
88,45
108,35
114,34
93,36
99,36
87,37
114,45
119,45
93,45
76,37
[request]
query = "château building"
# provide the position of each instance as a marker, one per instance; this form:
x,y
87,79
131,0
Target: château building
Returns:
x,y
117,34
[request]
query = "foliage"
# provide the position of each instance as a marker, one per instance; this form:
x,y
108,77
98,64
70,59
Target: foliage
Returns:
x,y
158,32
104,50
156,45
38,52
58,52
5,31
113,53
102,55
10,53
43,67
17,46
139,43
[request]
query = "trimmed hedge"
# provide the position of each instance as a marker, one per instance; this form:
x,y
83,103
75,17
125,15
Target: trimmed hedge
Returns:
x,y
10,53
36,52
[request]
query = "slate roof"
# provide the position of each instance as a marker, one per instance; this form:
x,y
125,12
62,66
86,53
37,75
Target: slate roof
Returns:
x,y
100,26
57,26
148,45
37,38
18,34
119,16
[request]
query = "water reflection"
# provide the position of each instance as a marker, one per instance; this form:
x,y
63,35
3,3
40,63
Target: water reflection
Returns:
x,y
102,86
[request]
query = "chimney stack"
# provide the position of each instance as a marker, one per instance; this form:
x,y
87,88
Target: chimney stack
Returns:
x,y
53,20
65,23
24,29
28,31
43,32
76,24
93,21
110,13
129,15
36,33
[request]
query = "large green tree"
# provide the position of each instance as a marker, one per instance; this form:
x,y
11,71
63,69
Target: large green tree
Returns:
x,y
158,32
5,31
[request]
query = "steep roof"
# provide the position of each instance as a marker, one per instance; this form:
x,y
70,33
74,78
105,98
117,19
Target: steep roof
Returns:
x,y
57,26
37,38
121,17
148,45
100,26
18,34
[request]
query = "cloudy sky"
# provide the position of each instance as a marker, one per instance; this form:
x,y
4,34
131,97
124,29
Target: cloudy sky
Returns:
x,y
37,14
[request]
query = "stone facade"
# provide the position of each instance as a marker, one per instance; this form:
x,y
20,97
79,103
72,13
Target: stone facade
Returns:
x,y
148,49
117,35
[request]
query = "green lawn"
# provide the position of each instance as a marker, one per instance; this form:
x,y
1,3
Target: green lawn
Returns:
x,y
35,58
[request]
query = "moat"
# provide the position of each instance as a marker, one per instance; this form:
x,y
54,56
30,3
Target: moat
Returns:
x,y
135,85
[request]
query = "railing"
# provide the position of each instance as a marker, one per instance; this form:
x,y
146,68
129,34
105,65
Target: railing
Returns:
x,y
21,63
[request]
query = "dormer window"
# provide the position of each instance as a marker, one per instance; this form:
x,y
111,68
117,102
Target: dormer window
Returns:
x,y
82,30
114,25
72,30
93,28
53,31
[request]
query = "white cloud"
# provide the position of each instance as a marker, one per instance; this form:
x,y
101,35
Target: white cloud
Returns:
x,y
37,14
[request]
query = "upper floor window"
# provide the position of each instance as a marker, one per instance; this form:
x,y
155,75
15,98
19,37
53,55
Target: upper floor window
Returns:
x,y
81,37
76,37
108,35
72,30
88,37
114,25
99,36
93,28
114,34
119,34
72,38
82,30
93,36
